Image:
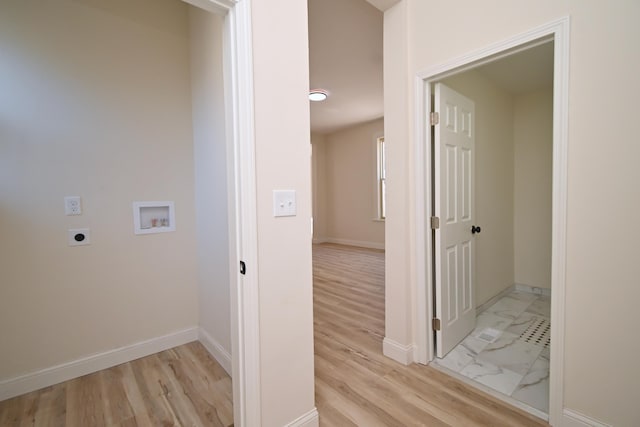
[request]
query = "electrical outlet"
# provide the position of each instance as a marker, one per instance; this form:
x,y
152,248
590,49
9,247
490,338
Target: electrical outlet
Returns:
x,y
79,237
72,205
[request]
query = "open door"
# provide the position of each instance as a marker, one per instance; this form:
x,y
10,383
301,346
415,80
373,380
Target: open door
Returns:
x,y
454,140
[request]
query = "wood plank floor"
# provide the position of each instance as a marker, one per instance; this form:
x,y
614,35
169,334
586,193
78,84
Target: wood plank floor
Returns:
x,y
355,384
183,386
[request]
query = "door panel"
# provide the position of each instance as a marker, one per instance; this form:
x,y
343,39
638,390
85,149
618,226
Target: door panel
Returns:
x,y
454,164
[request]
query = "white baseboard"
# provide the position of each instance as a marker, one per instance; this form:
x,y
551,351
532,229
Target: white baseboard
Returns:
x,y
358,243
215,349
400,353
96,362
482,307
533,289
517,287
318,240
310,419
575,419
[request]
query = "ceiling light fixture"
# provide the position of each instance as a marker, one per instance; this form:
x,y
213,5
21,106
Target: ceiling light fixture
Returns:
x,y
318,95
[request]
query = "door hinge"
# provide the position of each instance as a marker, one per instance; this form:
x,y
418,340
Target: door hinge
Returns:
x,y
435,222
435,323
434,118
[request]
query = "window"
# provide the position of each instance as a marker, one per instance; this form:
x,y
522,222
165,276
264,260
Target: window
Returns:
x,y
382,164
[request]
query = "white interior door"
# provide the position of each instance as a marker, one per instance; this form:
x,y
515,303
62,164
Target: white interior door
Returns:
x,y
454,141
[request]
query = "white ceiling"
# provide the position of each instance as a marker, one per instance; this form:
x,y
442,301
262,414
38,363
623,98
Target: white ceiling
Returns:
x,y
522,72
345,58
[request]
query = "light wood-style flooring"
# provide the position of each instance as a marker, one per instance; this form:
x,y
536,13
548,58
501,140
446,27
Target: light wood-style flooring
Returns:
x,y
183,386
355,384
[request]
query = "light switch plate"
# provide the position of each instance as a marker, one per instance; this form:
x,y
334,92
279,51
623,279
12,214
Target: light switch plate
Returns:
x,y
284,203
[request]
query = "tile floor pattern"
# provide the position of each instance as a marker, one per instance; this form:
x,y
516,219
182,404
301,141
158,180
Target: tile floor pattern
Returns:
x,y
516,363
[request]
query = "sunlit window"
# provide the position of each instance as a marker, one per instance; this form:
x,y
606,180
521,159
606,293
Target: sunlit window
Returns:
x,y
382,165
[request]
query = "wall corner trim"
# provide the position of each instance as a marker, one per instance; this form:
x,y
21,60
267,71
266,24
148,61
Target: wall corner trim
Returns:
x,y
96,362
310,419
215,349
399,352
576,419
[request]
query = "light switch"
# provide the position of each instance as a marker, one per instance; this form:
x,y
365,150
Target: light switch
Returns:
x,y
284,203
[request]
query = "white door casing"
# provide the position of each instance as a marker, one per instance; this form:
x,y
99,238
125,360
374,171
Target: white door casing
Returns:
x,y
243,234
454,170
559,31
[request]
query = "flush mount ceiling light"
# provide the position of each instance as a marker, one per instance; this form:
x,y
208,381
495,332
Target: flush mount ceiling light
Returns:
x,y
318,95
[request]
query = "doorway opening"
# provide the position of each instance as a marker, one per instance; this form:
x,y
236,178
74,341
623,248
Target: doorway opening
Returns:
x,y
533,310
222,98
508,231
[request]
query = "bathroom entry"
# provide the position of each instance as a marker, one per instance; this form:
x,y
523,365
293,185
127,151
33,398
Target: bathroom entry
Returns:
x,y
492,177
503,186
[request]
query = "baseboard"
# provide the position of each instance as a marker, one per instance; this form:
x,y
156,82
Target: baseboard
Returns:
x,y
215,349
400,353
572,418
87,365
319,240
517,287
532,289
482,307
310,419
358,243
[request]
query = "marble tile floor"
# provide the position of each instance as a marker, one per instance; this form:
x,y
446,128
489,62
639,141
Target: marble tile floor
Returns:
x,y
508,350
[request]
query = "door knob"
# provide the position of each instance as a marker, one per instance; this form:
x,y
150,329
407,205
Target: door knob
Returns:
x,y
475,229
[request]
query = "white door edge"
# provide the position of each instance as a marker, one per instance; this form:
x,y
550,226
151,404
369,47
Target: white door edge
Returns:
x,y
557,30
245,310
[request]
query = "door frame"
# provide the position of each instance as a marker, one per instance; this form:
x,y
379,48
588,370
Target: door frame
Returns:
x,y
558,31
241,188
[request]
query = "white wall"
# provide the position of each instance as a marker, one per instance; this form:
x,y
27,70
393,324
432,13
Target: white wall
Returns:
x,y
210,160
400,269
95,102
602,177
283,161
533,140
494,182
350,184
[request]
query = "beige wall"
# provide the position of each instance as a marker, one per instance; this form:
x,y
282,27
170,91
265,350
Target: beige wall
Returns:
x,y
95,102
533,140
602,182
350,168
400,271
210,163
283,161
494,185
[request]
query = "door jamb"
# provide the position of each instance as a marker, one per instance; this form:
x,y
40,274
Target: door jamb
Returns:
x,y
558,31
243,242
